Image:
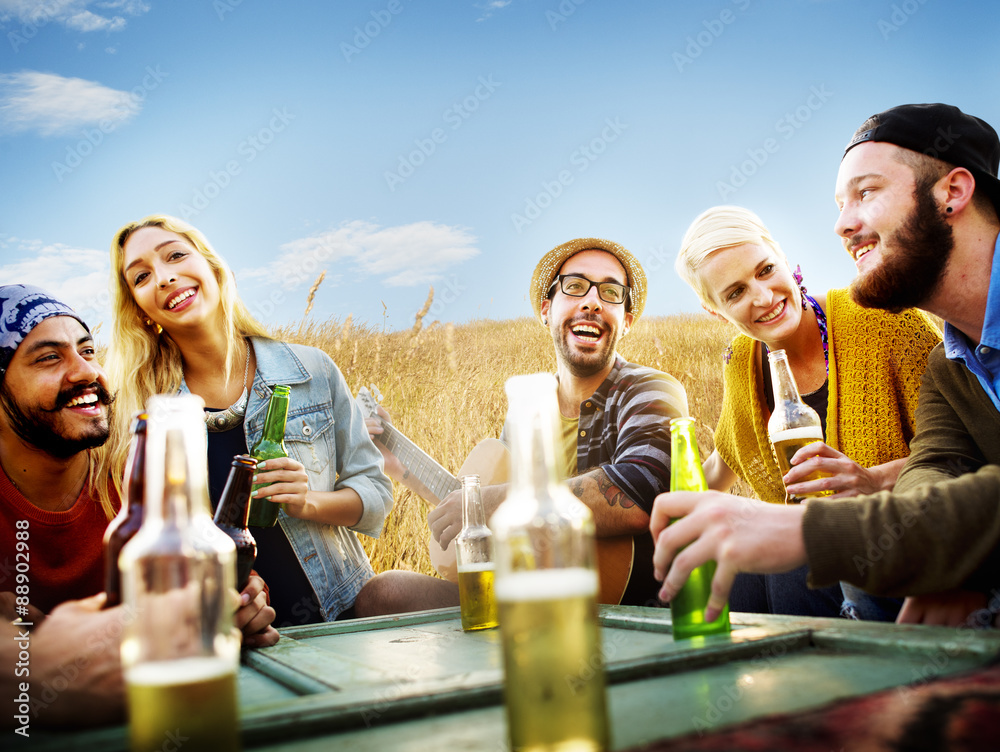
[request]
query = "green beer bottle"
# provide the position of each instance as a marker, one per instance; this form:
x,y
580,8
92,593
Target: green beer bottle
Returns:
x,y
264,513
687,608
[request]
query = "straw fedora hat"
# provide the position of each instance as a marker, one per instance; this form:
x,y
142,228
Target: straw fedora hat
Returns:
x,y
548,268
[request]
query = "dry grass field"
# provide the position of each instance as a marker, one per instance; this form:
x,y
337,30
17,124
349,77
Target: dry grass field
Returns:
x,y
443,385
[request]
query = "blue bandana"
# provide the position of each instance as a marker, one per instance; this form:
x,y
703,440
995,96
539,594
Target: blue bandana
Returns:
x,y
22,308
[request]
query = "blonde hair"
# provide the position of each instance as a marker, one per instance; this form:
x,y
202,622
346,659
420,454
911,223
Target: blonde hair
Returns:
x,y
143,361
715,230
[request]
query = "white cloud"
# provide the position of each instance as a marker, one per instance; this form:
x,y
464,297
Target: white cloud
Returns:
x,y
489,8
73,14
77,276
53,105
402,256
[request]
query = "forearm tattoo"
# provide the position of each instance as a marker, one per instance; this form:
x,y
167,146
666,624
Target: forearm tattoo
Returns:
x,y
611,492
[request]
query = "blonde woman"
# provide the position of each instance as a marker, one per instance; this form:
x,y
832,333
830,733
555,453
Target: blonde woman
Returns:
x,y
860,369
179,326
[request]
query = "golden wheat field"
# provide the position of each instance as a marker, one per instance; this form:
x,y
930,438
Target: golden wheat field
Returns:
x,y
443,385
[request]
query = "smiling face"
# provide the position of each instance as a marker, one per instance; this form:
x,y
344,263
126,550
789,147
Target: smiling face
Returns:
x,y
586,330
752,287
892,227
54,394
170,280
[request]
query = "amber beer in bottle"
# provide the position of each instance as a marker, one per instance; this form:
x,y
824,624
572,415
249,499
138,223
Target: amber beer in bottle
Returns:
x,y
129,518
687,608
793,423
264,513
232,512
180,650
474,557
546,588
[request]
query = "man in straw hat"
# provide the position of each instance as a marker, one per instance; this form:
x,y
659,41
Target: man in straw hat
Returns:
x,y
615,418
919,199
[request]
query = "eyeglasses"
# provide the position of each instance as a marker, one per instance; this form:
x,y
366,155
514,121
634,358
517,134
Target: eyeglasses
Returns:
x,y
577,287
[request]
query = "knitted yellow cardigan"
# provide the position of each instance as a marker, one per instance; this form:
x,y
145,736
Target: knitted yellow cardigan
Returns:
x,y
876,362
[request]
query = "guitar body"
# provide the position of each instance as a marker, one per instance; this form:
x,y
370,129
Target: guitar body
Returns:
x,y
490,460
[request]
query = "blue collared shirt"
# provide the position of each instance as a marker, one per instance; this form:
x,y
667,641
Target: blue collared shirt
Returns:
x,y
983,359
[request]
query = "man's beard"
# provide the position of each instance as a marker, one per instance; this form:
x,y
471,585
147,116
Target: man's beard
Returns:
x,y
581,365
913,261
36,426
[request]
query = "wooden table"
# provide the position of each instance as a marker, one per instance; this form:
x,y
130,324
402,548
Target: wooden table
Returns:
x,y
417,682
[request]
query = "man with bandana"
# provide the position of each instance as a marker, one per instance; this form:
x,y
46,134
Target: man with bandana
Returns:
x,y
54,407
919,199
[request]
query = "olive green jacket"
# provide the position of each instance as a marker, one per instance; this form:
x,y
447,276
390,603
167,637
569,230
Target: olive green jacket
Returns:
x,y
940,527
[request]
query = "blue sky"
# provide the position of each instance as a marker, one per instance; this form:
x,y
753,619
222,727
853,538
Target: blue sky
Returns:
x,y
398,144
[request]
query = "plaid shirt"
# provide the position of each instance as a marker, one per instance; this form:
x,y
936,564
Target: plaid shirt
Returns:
x,y
625,429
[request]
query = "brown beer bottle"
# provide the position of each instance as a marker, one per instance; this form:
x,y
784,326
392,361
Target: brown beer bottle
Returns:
x,y
129,517
231,515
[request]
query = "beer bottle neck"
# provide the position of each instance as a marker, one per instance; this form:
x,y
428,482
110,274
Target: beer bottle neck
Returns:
x,y
135,488
782,380
472,503
686,473
277,415
234,506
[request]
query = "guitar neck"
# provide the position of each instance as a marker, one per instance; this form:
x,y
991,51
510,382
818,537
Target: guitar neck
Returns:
x,y
420,464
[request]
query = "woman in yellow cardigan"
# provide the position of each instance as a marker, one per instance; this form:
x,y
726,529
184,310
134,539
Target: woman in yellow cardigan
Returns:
x,y
859,368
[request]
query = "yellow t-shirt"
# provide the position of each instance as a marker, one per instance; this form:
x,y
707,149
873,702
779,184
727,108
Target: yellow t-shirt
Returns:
x,y
566,461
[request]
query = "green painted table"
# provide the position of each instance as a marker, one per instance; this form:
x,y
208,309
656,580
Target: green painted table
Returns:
x,y
417,682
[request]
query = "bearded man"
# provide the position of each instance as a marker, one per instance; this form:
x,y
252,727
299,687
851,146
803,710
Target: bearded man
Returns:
x,y
54,407
919,198
615,416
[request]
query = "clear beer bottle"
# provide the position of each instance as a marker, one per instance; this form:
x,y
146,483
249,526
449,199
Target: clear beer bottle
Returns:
x,y
129,518
180,649
687,608
793,424
546,588
264,513
474,557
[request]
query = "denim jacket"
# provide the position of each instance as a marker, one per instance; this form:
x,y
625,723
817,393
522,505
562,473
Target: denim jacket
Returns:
x,y
326,432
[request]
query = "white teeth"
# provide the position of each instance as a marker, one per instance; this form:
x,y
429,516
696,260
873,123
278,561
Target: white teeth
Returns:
x,y
586,329
774,315
180,298
86,399
861,251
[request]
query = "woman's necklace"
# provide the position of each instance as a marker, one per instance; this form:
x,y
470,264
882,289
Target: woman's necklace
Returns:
x,y
223,420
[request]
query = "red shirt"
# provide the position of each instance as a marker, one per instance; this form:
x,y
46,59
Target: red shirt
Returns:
x,y
64,556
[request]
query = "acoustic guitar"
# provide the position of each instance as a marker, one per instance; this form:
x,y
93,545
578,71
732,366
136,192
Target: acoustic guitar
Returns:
x,y
489,460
